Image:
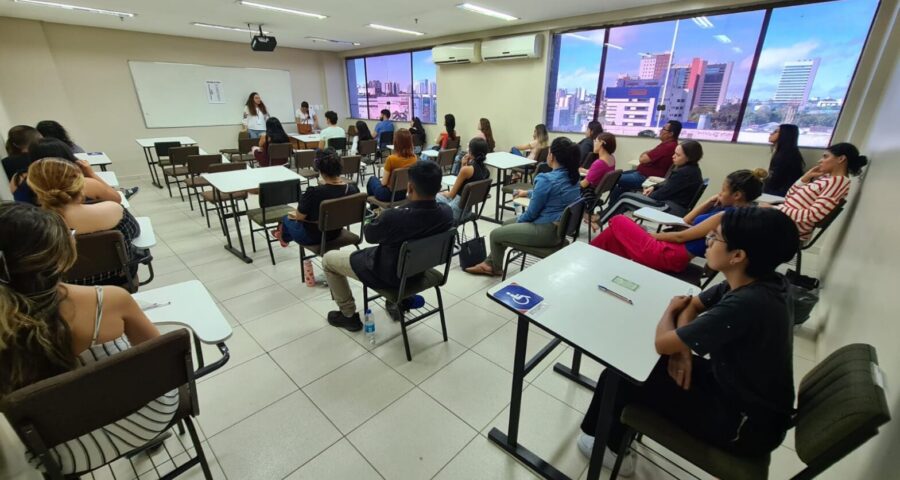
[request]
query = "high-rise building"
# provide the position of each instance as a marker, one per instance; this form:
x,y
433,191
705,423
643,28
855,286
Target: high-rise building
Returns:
x,y
630,106
678,76
714,85
654,65
796,81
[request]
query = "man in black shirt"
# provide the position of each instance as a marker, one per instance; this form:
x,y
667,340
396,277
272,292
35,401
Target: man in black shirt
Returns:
x,y
376,266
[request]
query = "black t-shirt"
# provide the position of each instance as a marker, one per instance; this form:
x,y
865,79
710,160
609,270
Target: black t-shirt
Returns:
x,y
313,197
377,266
14,164
748,334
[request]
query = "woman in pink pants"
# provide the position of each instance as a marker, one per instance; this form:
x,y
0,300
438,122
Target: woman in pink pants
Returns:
x,y
673,251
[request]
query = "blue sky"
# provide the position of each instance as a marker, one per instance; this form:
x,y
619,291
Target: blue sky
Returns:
x,y
815,30
423,66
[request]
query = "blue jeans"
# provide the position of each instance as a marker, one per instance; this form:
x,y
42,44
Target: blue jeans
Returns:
x,y
452,202
628,182
254,134
379,191
295,231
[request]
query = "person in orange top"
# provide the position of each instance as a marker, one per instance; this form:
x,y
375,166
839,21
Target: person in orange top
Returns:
x,y
403,157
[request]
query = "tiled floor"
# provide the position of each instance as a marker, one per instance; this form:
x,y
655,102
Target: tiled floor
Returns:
x,y
303,400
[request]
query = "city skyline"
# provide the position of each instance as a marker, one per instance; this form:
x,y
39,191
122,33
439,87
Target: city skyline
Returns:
x,y
393,82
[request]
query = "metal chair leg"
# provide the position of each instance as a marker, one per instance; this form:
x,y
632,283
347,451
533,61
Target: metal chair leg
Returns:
x,y
441,312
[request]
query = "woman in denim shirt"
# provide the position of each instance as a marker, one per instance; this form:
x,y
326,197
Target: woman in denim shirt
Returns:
x,y
552,193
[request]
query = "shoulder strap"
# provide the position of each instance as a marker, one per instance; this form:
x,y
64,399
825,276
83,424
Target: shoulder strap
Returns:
x,y
99,291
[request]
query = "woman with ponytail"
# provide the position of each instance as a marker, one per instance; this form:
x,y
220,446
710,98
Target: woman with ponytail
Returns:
x,y
48,327
472,170
58,186
671,252
552,193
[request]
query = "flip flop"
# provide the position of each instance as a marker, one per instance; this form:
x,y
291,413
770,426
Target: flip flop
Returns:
x,y
482,269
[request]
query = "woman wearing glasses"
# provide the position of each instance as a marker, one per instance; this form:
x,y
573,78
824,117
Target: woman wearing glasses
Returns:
x,y
740,398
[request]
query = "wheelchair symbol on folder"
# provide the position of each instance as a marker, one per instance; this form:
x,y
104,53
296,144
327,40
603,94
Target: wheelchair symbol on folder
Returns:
x,y
519,299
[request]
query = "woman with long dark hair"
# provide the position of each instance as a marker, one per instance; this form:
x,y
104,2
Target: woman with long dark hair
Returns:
x,y
362,133
536,227
417,131
786,165
52,129
472,170
255,116
274,134
449,133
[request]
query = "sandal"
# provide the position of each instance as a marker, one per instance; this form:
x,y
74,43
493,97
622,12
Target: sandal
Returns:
x,y
483,269
277,233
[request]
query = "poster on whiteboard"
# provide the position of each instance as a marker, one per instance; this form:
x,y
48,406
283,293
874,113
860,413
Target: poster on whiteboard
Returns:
x,y
214,91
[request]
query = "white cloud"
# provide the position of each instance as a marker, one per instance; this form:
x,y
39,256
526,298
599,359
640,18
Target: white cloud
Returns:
x,y
593,36
580,77
774,58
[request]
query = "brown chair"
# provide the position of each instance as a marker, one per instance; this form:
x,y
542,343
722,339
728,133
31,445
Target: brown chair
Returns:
x,y
67,406
445,159
338,214
305,161
275,199
104,252
162,152
224,203
178,169
454,143
243,138
276,154
339,144
596,199
527,171
569,227
350,167
366,149
197,165
399,181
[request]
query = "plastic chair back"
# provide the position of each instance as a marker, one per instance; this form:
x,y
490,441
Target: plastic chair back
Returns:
x,y
366,147
199,164
284,192
279,153
162,148
417,256
179,155
342,212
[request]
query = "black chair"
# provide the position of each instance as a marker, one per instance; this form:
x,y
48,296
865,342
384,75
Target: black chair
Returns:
x,y
277,154
568,228
417,270
528,170
399,180
841,404
105,252
472,201
275,201
338,143
197,165
445,159
818,231
385,139
177,168
366,149
65,407
305,161
596,199
162,152
338,214
697,196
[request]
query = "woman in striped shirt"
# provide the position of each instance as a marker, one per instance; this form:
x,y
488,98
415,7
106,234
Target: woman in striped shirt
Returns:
x,y
822,188
48,327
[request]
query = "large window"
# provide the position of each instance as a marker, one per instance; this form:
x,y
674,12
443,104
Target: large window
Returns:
x,y
709,73
403,83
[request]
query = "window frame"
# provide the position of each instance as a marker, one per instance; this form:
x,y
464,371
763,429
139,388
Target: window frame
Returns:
x,y
768,11
366,79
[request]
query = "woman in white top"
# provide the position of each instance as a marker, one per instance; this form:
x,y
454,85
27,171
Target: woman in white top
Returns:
x,y
50,327
306,116
255,116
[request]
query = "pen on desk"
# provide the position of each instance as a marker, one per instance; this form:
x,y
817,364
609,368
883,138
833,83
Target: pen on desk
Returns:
x,y
614,294
155,305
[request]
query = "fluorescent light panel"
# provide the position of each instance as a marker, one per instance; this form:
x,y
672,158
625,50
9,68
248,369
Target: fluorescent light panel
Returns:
x,y
225,27
282,9
328,40
76,8
393,29
487,11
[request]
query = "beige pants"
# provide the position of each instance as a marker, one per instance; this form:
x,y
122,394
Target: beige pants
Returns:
x,y
336,264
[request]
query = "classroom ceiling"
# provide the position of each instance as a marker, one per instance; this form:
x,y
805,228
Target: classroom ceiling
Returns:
x,y
347,19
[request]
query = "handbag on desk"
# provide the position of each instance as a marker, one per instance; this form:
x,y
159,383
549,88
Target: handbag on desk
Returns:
x,y
472,252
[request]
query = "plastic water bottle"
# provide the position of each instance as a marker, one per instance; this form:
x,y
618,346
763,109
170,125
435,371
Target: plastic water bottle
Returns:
x,y
369,327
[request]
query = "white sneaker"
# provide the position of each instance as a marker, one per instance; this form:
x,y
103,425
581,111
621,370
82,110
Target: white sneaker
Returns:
x,y
586,446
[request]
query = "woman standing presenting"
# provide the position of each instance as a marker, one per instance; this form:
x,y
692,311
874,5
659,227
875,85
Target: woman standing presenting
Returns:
x,y
255,116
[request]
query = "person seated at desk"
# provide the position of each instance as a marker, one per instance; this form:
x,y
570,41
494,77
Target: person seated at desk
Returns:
x,y
51,327
472,170
331,130
418,133
671,252
301,225
376,266
786,165
653,163
52,129
822,188
539,139
59,187
741,398
601,159
587,144
674,194
553,192
449,133
274,134
384,125
19,140
307,119
362,134
95,189
403,157
483,131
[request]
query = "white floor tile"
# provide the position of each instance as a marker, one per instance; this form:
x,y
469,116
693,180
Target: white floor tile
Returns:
x,y
429,353
468,324
282,326
253,305
565,390
308,358
500,347
484,460
230,287
340,462
241,347
412,439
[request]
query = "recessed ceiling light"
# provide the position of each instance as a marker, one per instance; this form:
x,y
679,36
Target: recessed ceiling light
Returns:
x,y
393,29
225,27
282,9
328,40
77,8
487,11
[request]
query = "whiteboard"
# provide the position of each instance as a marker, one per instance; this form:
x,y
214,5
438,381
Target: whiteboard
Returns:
x,y
188,95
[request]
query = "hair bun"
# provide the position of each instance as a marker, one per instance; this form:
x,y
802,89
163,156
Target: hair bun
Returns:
x,y
760,173
863,160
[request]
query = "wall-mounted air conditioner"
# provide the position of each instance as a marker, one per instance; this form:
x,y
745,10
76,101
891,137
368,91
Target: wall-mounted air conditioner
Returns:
x,y
510,48
468,52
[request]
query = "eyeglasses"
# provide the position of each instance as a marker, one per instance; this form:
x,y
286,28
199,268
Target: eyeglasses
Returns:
x,y
711,238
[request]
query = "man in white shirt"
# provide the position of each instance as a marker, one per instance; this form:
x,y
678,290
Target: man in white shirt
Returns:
x,y
331,131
